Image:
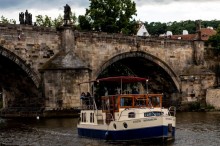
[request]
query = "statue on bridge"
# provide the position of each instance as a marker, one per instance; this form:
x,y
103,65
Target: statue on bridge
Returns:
x,y
28,18
67,12
21,18
25,18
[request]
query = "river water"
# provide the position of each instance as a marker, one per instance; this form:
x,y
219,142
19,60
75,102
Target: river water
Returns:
x,y
193,129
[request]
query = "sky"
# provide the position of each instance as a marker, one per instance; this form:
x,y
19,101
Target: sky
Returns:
x,y
147,10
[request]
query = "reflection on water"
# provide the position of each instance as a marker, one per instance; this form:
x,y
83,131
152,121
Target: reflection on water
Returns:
x,y
197,129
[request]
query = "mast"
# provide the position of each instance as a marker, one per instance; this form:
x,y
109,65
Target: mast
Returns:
x,y
121,87
147,85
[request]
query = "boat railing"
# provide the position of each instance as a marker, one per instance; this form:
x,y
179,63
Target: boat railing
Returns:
x,y
172,111
89,104
109,118
150,104
121,114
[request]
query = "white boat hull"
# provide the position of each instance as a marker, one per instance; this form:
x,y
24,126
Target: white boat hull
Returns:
x,y
136,129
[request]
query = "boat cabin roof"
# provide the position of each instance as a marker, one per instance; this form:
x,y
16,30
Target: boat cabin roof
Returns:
x,y
124,79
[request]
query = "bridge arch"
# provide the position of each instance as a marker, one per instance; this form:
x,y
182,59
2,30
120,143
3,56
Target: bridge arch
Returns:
x,y
146,56
21,63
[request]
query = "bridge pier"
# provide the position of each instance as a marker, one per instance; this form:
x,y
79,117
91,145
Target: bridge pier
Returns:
x,y
62,75
194,83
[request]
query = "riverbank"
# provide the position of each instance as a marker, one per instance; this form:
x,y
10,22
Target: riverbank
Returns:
x,y
196,107
39,114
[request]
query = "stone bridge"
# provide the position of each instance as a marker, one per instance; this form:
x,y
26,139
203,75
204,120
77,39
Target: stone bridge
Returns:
x,y
42,67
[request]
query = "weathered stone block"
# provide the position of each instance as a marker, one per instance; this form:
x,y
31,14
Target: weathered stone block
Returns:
x,y
213,98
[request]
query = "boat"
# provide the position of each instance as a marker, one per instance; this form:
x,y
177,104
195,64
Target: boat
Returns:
x,y
127,117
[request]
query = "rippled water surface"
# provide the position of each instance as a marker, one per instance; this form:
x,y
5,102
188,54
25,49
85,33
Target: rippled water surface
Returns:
x,y
193,129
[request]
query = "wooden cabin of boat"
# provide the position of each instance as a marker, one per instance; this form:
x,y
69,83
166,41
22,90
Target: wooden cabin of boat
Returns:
x,y
113,108
112,105
112,115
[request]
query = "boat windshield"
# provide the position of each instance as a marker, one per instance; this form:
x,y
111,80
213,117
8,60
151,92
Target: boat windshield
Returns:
x,y
154,101
141,100
126,101
114,102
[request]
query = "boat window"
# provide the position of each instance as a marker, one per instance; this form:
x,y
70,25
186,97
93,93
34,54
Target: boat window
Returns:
x,y
83,117
116,103
155,113
125,125
131,115
126,101
91,117
105,104
114,125
154,101
140,101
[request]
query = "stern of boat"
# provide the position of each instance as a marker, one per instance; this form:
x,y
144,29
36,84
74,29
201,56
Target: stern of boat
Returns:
x,y
169,123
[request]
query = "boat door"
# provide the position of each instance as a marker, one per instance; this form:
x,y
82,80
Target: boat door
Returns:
x,y
109,106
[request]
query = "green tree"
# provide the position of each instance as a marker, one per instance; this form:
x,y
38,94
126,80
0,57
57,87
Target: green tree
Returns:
x,y
212,23
190,26
46,21
73,18
156,28
57,22
214,40
6,21
110,15
84,22
43,21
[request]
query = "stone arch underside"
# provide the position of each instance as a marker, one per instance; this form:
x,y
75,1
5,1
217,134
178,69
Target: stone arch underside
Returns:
x,y
17,60
146,56
19,84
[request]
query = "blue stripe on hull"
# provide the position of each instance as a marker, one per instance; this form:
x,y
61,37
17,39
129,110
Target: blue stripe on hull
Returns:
x,y
124,135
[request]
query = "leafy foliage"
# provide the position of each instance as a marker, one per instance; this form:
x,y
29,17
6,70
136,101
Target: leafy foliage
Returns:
x,y
43,21
214,40
194,106
112,16
6,21
46,21
157,28
84,23
57,22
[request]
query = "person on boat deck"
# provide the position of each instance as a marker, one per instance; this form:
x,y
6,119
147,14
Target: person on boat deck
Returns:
x,y
83,95
134,91
88,97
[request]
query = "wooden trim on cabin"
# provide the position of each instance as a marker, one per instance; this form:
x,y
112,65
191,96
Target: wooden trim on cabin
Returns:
x,y
114,106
